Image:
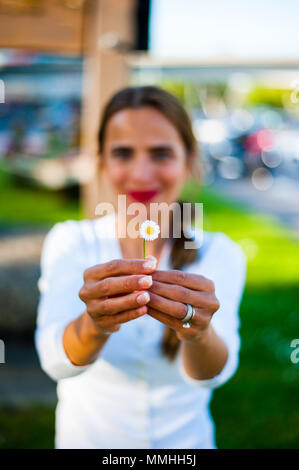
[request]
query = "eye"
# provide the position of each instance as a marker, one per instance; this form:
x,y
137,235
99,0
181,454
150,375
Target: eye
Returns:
x,y
122,154
162,155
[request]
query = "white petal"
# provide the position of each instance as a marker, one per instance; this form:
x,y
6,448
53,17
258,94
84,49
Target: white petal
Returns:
x,y
143,227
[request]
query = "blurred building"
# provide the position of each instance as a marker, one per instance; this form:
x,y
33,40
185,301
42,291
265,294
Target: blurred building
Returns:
x,y
88,41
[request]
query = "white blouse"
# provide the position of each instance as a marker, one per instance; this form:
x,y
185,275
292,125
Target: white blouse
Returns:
x,y
131,396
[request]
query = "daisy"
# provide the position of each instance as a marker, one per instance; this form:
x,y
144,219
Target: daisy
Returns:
x,y
149,230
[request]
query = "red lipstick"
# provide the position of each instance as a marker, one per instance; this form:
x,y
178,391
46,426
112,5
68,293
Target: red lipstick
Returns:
x,y
143,196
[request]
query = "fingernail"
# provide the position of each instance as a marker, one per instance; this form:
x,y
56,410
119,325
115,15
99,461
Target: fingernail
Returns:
x,y
143,298
151,263
142,310
145,281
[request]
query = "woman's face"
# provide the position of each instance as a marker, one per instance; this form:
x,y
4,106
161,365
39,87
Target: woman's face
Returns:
x,y
144,156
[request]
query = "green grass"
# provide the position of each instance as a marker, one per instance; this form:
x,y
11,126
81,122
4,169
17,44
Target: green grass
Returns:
x,y
258,407
21,204
27,427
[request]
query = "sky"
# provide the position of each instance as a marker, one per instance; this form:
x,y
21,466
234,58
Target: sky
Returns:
x,y
229,29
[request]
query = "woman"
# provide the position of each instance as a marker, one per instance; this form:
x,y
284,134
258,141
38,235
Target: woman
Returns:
x,y
111,329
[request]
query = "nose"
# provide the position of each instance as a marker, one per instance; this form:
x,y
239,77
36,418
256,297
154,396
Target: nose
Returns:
x,y
142,169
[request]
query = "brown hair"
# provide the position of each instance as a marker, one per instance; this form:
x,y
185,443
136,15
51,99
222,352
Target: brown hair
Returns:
x,y
172,109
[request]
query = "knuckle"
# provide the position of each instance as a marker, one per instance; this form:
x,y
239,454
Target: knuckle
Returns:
x,y
180,276
105,307
208,304
82,293
104,286
204,282
213,303
111,266
183,293
216,304
127,283
86,274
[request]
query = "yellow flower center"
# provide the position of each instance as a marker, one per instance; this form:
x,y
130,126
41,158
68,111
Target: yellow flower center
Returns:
x,y
149,230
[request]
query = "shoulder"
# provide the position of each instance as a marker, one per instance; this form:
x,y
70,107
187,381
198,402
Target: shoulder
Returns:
x,y
75,237
221,248
68,231
224,262
227,246
219,242
83,229
65,238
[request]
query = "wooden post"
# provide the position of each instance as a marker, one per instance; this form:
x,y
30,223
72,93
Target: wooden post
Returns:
x,y
105,71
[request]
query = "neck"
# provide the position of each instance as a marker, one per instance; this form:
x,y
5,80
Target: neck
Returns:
x,y
133,247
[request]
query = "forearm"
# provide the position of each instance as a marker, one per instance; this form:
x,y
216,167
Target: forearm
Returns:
x,y
82,341
204,358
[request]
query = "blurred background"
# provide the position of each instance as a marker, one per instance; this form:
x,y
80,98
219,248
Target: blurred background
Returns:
x,y
235,66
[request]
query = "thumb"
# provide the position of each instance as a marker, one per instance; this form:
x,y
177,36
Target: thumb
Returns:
x,y
151,257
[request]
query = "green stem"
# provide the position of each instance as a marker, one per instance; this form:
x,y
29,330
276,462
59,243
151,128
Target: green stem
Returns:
x,y
144,248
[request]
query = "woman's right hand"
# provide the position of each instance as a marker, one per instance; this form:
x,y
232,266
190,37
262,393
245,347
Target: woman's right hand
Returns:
x,y
115,292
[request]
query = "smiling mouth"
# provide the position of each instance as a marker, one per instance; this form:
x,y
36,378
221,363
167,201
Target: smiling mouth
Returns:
x,y
142,196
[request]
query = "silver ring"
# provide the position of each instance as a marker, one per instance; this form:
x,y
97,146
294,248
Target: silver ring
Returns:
x,y
188,318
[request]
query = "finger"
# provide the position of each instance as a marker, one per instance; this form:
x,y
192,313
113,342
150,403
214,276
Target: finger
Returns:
x,y
170,307
118,285
200,319
167,320
192,281
181,294
176,325
118,267
111,306
108,321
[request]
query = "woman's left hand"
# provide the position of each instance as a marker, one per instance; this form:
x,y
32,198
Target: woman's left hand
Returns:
x,y
171,291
